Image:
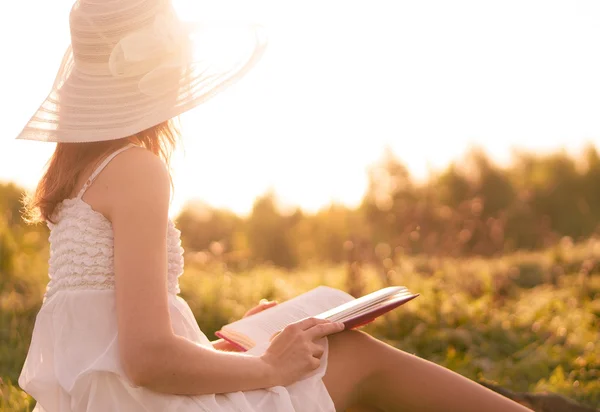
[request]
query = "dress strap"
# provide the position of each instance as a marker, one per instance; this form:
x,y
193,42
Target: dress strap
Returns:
x,y
101,167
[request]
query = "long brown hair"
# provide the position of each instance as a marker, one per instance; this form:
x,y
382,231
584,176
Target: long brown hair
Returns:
x,y
70,160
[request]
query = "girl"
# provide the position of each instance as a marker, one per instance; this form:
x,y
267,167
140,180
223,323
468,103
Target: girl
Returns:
x,y
112,334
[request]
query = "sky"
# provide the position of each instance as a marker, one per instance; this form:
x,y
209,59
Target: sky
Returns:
x,y
342,80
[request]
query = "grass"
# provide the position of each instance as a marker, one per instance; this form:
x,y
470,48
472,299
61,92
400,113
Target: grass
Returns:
x,y
528,321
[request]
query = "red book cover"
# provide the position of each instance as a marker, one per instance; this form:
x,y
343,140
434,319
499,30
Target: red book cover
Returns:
x,y
377,310
365,316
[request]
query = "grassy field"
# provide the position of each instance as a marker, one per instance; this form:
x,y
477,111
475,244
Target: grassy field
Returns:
x,y
528,322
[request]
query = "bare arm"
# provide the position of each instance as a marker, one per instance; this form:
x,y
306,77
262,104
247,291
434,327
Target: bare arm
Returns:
x,y
152,355
137,191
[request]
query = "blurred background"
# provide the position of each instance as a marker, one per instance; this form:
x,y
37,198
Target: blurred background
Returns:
x,y
451,147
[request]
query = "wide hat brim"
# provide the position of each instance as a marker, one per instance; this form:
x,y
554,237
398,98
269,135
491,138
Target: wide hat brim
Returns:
x,y
91,107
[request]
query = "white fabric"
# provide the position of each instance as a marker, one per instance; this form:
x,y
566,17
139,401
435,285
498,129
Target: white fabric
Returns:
x,y
133,64
73,363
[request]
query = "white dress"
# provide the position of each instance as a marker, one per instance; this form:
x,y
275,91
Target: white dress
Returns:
x,y
73,362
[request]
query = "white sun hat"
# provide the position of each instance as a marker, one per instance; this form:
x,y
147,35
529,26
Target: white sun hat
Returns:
x,y
133,64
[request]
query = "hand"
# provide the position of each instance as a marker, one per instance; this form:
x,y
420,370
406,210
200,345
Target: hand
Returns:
x,y
295,352
263,304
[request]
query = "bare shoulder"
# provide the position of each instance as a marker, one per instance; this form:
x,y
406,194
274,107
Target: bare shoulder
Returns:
x,y
134,178
138,165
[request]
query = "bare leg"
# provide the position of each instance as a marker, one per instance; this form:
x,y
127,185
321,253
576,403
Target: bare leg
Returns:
x,y
364,372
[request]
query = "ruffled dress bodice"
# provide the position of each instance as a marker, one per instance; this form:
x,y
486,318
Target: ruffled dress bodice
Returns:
x,y
74,363
81,251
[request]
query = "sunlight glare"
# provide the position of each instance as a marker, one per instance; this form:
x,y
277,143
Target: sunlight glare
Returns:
x,y
340,81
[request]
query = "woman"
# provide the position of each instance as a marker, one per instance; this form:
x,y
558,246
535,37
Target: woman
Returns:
x,y
112,334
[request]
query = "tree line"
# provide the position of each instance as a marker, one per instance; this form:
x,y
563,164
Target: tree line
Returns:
x,y
473,207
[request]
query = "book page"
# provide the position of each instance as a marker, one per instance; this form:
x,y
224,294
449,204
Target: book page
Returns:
x,y
362,303
376,305
261,326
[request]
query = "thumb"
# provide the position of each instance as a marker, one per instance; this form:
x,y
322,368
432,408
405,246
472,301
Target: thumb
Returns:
x,y
264,303
260,307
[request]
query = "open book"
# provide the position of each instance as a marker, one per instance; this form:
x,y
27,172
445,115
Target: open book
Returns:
x,y
322,302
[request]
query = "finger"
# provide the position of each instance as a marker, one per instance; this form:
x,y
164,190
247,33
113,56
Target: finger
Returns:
x,y
261,306
308,323
267,304
323,329
273,336
317,350
252,311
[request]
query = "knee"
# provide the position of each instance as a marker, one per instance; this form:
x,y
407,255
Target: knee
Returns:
x,y
368,352
350,340
358,349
